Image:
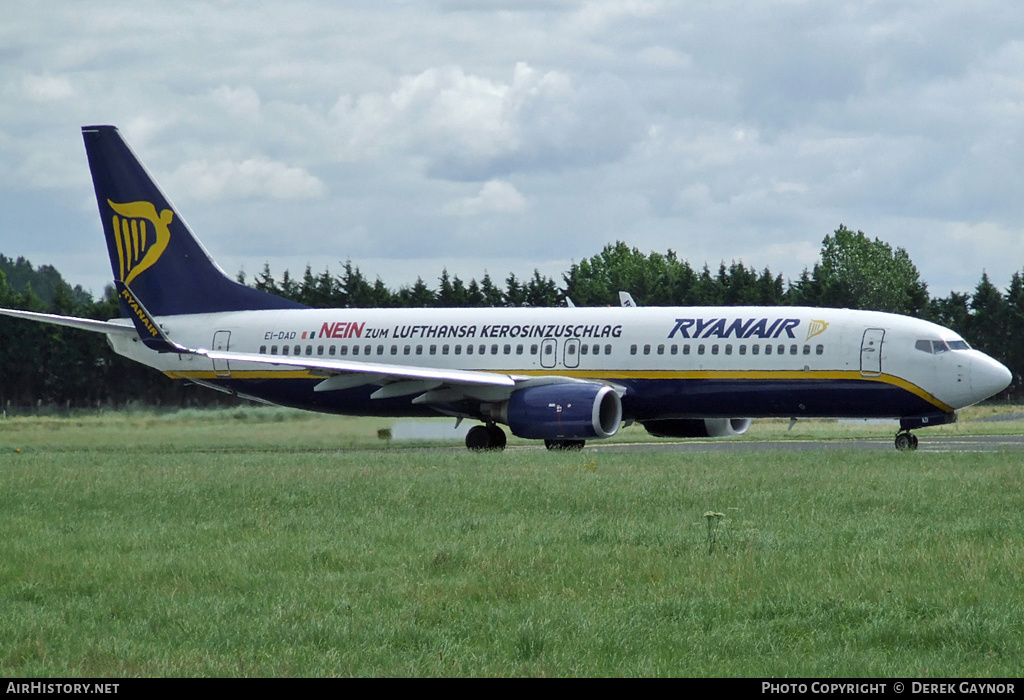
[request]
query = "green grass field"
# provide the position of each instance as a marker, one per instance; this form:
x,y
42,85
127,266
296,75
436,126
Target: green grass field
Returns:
x,y
260,542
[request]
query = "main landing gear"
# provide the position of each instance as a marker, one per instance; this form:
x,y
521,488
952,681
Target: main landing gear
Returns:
x,y
906,440
486,437
491,437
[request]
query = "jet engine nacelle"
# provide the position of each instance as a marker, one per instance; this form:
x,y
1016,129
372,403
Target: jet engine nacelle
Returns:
x,y
576,410
697,427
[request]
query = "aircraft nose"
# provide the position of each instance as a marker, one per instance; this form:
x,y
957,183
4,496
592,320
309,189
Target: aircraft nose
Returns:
x,y
988,377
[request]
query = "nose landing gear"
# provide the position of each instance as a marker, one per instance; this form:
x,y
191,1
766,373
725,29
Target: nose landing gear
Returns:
x,y
906,441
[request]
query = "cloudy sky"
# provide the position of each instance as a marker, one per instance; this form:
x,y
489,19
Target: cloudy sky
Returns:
x,y
504,136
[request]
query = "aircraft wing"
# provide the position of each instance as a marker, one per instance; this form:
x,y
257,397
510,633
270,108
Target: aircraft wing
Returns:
x,y
431,384
395,380
434,385
85,324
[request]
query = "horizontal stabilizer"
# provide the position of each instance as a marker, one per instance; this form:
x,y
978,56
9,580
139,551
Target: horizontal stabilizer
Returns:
x,y
85,324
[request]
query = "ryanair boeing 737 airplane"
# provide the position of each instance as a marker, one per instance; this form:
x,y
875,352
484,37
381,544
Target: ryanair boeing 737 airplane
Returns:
x,y
562,375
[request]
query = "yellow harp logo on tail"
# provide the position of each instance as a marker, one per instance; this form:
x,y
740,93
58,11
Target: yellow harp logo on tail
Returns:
x,y
141,234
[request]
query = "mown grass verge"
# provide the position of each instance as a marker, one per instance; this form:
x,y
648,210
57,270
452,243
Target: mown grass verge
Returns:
x,y
243,547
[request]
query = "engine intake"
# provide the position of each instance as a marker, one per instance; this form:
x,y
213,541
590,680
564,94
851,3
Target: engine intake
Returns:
x,y
569,410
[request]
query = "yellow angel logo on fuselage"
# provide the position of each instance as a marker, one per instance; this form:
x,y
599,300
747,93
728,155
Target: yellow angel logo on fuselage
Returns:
x,y
816,328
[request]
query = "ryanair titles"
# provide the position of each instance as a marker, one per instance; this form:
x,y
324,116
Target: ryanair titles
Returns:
x,y
734,328
147,323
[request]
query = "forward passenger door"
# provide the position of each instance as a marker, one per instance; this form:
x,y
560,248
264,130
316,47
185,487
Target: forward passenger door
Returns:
x,y
871,352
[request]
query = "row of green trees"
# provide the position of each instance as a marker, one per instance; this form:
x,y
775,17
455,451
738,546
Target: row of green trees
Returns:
x,y
47,365
854,272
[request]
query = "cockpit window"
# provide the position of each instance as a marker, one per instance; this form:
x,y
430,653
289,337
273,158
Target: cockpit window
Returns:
x,y
935,347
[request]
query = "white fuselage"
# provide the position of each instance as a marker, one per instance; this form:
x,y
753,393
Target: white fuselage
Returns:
x,y
768,361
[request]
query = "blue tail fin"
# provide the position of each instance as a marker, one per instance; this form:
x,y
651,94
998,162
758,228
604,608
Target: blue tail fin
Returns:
x,y
151,248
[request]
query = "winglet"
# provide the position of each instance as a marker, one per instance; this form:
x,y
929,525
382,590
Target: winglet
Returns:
x,y
145,325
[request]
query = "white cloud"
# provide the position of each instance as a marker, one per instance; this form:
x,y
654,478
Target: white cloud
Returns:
x,y
495,196
48,88
241,102
254,177
464,126
664,57
599,16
